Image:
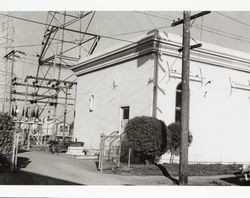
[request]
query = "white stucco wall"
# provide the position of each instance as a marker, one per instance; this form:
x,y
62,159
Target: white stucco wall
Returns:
x,y
219,115
134,88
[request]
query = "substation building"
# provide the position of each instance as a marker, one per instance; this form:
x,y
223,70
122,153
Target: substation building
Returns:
x,y
143,78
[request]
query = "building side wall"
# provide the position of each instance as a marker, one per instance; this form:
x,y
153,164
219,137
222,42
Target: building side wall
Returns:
x,y
106,91
219,115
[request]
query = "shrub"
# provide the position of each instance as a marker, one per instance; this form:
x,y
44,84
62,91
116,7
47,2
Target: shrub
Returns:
x,y
6,137
174,139
134,159
147,137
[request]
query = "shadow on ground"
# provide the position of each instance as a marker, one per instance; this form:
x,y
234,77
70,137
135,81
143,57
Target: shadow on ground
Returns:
x,y
97,164
20,177
22,162
166,173
236,181
20,150
25,178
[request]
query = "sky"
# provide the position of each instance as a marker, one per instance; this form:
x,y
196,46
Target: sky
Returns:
x,y
227,29
217,28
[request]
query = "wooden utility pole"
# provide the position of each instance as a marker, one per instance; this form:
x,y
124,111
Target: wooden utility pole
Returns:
x,y
7,56
183,168
11,77
185,94
65,113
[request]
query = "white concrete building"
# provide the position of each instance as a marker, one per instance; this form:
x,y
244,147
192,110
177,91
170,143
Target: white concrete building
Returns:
x,y
142,78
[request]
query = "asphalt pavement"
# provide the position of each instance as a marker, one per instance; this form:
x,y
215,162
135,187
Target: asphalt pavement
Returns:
x,y
52,169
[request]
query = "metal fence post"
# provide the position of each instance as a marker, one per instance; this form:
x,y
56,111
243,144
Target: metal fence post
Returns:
x,y
120,149
129,155
13,151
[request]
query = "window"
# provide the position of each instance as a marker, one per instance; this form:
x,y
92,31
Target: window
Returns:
x,y
178,103
125,113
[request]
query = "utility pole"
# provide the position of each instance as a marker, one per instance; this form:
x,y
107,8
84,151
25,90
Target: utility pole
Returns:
x,y
7,56
185,94
65,113
12,53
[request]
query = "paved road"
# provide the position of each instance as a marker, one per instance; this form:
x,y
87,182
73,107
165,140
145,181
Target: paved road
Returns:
x,y
74,171
48,169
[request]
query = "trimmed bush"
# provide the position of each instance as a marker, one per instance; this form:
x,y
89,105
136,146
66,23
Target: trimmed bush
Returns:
x,y
134,159
6,138
147,137
174,139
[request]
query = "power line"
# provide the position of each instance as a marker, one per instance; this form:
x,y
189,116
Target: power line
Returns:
x,y
150,14
233,19
139,31
224,35
29,45
216,31
41,23
236,37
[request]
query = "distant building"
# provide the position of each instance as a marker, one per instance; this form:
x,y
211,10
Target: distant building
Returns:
x,y
143,78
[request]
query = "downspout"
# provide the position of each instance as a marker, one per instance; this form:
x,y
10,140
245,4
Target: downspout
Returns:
x,y
155,84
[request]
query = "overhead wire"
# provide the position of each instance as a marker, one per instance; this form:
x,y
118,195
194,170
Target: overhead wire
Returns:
x,y
41,23
150,14
139,31
205,28
29,45
232,18
214,30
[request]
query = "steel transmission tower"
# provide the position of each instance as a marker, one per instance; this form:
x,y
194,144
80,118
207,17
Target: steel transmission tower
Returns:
x,y
6,44
65,41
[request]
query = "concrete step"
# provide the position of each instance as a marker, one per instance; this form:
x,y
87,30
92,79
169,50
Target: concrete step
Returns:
x,y
86,157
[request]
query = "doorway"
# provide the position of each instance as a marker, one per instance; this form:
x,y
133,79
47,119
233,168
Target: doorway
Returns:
x,y
124,117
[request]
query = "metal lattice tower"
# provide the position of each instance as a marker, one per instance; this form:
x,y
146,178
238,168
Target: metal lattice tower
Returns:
x,y
65,41
6,44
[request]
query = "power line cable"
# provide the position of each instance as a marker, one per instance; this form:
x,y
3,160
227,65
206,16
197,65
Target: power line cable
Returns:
x,y
140,31
224,35
41,23
232,18
29,45
216,31
149,14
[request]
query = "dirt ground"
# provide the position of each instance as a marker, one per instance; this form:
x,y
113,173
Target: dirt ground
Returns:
x,y
38,168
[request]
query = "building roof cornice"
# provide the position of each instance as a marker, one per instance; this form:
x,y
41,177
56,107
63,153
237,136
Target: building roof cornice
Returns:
x,y
168,44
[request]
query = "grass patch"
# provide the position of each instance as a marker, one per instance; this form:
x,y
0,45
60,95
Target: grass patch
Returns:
x,y
173,169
